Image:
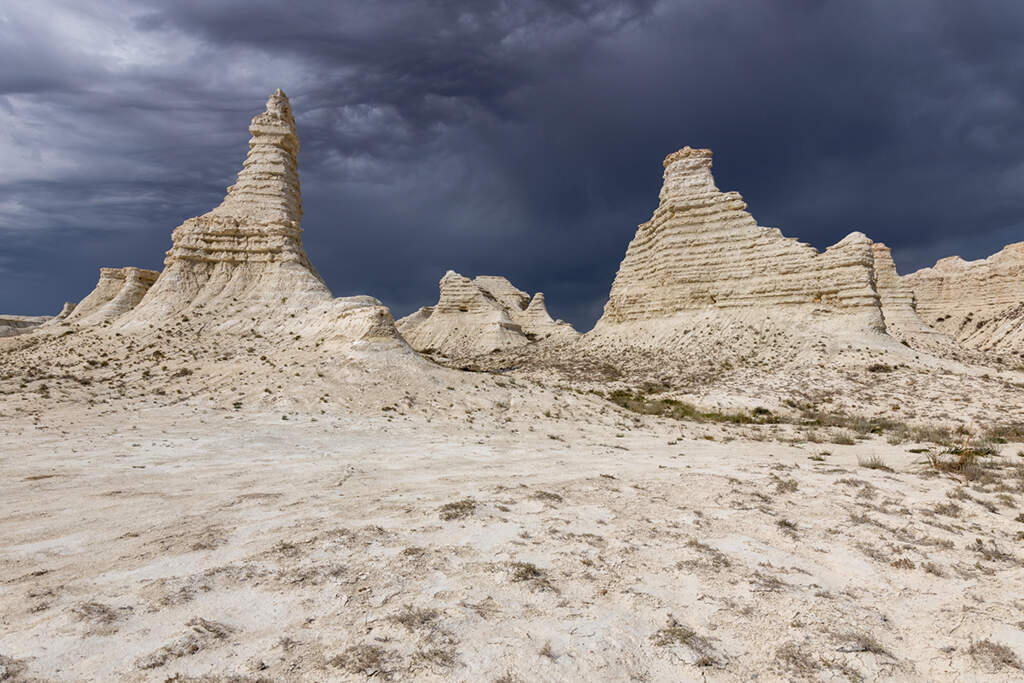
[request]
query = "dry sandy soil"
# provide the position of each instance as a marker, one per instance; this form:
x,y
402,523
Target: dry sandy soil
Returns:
x,y
585,542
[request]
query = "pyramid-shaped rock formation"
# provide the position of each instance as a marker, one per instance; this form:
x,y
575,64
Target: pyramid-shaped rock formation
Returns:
x,y
703,263
248,249
478,316
979,303
242,266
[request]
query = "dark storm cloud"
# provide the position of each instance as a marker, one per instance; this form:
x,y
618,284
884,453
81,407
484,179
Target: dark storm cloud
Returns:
x,y
494,137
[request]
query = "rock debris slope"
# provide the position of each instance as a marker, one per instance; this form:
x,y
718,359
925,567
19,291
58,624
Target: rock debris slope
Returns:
x,y
479,316
701,273
980,303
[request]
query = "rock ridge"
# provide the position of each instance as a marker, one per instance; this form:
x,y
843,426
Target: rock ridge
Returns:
x,y
979,303
479,316
701,249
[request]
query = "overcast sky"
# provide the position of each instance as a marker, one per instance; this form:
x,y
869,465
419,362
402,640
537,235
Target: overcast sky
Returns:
x,y
507,137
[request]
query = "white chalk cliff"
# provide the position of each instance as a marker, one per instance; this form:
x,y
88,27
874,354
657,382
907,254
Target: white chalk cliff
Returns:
x,y
979,303
702,269
479,316
118,291
242,266
897,301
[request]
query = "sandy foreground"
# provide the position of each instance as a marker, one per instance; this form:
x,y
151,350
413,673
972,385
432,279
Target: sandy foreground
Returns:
x,y
212,544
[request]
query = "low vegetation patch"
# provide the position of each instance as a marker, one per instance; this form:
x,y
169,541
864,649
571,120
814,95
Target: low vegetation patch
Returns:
x,y
361,659
680,410
874,462
995,655
676,634
459,509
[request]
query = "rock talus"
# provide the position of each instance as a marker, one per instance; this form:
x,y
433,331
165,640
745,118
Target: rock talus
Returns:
x,y
979,303
479,316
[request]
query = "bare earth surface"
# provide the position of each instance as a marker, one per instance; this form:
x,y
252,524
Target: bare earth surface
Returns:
x,y
211,544
222,472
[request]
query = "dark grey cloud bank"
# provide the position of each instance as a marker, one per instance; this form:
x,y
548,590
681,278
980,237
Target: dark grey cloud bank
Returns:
x,y
514,138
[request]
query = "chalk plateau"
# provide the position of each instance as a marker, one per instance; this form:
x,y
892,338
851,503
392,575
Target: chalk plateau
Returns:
x,y
481,315
979,303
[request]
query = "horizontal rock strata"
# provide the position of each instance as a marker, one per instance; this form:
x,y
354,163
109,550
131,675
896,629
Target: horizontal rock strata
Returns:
x,y
479,316
702,249
241,268
701,274
897,301
979,303
117,291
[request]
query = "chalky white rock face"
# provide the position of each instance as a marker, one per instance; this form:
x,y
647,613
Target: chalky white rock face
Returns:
x,y
248,250
980,303
118,291
241,267
897,300
12,325
478,316
67,309
702,277
701,250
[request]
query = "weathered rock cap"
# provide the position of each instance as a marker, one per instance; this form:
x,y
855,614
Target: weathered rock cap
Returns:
x,y
689,154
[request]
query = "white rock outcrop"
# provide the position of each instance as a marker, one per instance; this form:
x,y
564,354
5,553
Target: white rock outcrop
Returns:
x,y
702,271
897,301
979,303
479,316
12,325
117,291
242,267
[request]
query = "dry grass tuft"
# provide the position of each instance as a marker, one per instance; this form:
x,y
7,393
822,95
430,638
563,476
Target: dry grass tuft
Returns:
x,y
874,462
994,655
459,509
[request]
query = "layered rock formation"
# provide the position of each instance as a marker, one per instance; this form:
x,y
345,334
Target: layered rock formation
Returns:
x,y
479,316
248,249
897,302
117,291
701,250
242,267
702,272
979,303
11,325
